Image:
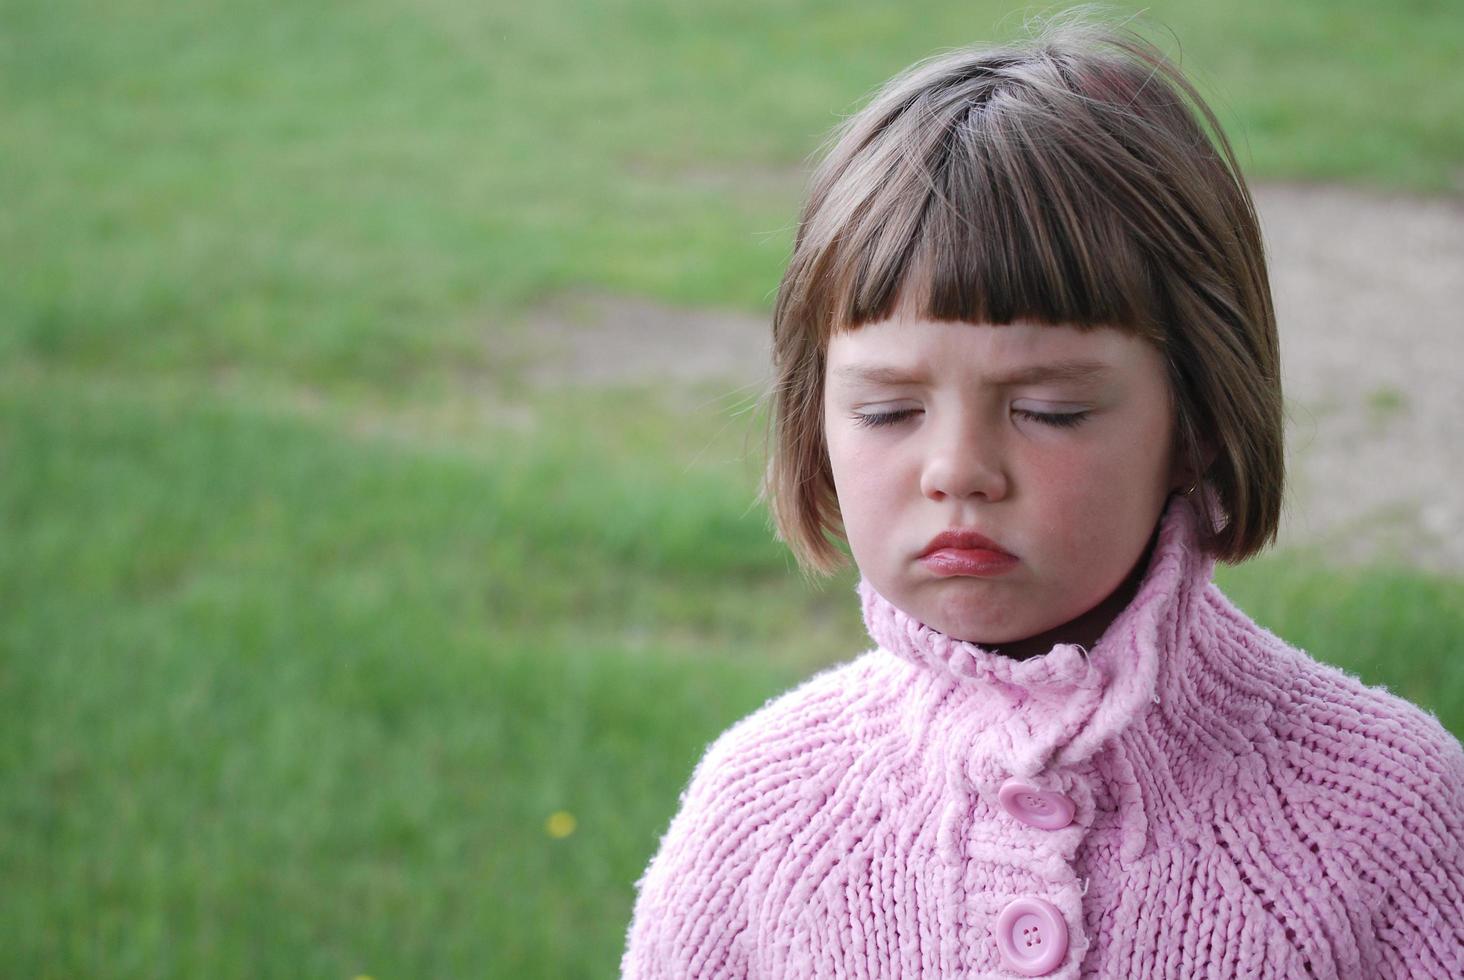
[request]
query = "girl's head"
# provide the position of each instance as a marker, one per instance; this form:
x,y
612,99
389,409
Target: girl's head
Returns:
x,y
1027,299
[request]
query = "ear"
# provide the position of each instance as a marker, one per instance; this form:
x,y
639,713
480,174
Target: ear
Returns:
x,y
1183,475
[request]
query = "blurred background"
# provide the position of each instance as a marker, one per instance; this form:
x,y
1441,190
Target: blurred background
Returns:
x,y
379,439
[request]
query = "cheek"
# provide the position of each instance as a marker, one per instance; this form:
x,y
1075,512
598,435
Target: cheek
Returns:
x,y
870,490
1093,498
862,476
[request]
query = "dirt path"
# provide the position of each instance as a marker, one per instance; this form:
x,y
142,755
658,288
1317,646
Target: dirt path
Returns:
x,y
1369,296
1369,292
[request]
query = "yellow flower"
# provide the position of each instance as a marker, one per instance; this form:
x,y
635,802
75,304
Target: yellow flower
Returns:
x,y
560,824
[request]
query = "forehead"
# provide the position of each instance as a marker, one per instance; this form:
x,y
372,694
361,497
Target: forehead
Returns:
x,y
921,349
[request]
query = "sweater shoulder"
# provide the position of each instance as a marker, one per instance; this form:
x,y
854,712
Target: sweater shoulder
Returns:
x,y
1324,705
754,775
818,715
756,784
1358,748
1388,761
1334,808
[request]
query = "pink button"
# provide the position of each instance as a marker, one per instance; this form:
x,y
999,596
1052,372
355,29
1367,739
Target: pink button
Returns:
x,y
1032,936
1035,807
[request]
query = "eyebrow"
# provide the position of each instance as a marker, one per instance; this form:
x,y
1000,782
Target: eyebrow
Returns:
x,y
1036,373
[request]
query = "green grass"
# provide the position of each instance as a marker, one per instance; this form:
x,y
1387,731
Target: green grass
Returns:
x,y
284,701
315,611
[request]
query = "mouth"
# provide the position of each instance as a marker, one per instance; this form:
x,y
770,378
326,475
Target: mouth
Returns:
x,y
964,552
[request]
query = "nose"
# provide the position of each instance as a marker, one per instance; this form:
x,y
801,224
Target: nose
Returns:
x,y
964,460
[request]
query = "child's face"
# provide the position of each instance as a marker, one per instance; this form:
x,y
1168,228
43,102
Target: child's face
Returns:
x,y
931,427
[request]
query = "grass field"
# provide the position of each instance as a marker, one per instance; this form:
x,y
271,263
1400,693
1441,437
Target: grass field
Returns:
x,y
315,610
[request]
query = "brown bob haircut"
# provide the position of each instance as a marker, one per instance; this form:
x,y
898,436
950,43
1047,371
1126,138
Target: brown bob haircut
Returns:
x,y
1077,179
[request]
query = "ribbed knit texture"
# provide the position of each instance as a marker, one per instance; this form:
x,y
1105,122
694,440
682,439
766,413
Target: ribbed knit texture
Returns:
x,y
1242,810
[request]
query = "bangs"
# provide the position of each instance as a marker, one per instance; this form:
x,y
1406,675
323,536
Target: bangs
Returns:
x,y
1013,208
1008,233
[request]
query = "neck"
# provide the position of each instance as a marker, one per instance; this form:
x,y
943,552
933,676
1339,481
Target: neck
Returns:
x,y
1088,628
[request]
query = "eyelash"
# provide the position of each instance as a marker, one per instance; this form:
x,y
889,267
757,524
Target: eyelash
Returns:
x,y
1058,420
876,419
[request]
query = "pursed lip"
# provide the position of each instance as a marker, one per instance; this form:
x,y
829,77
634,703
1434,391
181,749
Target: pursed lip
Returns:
x,y
963,539
964,553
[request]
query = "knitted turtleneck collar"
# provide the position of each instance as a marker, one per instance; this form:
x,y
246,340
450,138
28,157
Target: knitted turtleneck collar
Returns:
x,y
1057,709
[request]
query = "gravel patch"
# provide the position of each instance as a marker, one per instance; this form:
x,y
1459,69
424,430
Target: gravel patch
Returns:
x,y
1369,293
601,339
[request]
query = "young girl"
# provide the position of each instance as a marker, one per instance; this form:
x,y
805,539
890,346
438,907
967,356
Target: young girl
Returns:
x,y
1027,369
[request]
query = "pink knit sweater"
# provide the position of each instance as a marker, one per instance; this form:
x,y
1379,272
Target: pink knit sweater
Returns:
x,y
1193,798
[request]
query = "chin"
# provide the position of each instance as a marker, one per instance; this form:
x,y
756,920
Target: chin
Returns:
x,y
987,621
982,637
959,624
965,609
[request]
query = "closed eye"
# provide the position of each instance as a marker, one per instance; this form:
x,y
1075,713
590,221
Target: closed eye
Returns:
x,y
875,419
1061,420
